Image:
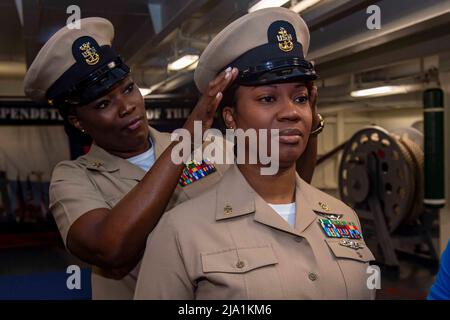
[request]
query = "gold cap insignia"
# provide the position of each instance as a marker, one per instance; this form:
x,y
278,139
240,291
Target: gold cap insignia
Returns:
x,y
89,54
284,40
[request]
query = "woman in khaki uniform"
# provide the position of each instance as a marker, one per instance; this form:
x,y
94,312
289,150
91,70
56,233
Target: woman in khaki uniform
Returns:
x,y
256,236
106,202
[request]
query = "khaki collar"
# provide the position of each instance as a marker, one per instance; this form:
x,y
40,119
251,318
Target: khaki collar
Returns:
x,y
100,160
235,197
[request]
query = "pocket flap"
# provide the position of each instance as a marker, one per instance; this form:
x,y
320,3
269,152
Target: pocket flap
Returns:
x,y
342,251
238,260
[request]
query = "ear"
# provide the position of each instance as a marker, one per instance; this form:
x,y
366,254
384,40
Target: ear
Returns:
x,y
73,120
228,117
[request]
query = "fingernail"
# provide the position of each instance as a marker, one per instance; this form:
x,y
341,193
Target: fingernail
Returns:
x,y
228,69
218,95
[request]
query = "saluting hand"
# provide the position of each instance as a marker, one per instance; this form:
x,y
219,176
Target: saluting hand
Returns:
x,y
207,105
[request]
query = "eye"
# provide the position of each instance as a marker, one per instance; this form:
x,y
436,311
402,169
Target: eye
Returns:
x,y
101,104
266,99
129,88
301,99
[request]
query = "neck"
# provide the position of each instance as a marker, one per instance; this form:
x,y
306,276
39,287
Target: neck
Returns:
x,y
274,189
125,154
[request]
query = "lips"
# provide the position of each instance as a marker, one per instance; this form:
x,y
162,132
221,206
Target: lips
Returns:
x,y
290,136
134,124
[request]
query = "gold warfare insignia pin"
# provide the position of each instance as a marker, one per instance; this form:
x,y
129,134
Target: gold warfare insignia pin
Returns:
x,y
89,54
284,40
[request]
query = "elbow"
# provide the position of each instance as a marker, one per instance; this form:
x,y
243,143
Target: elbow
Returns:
x,y
102,247
115,274
112,255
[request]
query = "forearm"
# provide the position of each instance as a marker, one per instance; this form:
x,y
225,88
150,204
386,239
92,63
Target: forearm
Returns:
x,y
124,232
115,239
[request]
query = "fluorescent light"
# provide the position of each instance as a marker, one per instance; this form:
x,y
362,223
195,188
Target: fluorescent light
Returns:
x,y
303,5
145,91
183,62
193,66
382,91
267,4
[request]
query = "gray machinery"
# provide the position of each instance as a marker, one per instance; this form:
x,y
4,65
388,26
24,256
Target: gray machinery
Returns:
x,y
395,182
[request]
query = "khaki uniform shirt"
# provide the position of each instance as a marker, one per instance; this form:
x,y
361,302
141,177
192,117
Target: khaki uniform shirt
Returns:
x,y
229,243
100,180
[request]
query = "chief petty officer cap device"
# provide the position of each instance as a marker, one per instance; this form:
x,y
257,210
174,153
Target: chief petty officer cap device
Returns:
x,y
267,46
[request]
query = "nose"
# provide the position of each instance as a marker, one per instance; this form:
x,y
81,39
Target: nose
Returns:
x,y
126,108
289,111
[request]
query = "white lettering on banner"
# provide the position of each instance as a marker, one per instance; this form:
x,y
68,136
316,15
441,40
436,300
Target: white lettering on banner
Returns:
x,y
4,113
55,115
177,113
34,114
14,114
153,114
30,114
24,114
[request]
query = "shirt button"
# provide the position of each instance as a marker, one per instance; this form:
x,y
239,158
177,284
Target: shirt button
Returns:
x,y
240,264
312,276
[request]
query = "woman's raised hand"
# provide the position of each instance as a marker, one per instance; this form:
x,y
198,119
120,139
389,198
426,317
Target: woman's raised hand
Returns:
x,y
207,105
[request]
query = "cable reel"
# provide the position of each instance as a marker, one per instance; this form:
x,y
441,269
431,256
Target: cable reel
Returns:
x,y
394,160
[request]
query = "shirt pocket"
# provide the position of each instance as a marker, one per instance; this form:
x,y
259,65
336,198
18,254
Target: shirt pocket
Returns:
x,y
354,265
240,273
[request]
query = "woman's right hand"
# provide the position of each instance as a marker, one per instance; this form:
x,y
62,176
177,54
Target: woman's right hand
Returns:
x,y
207,105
